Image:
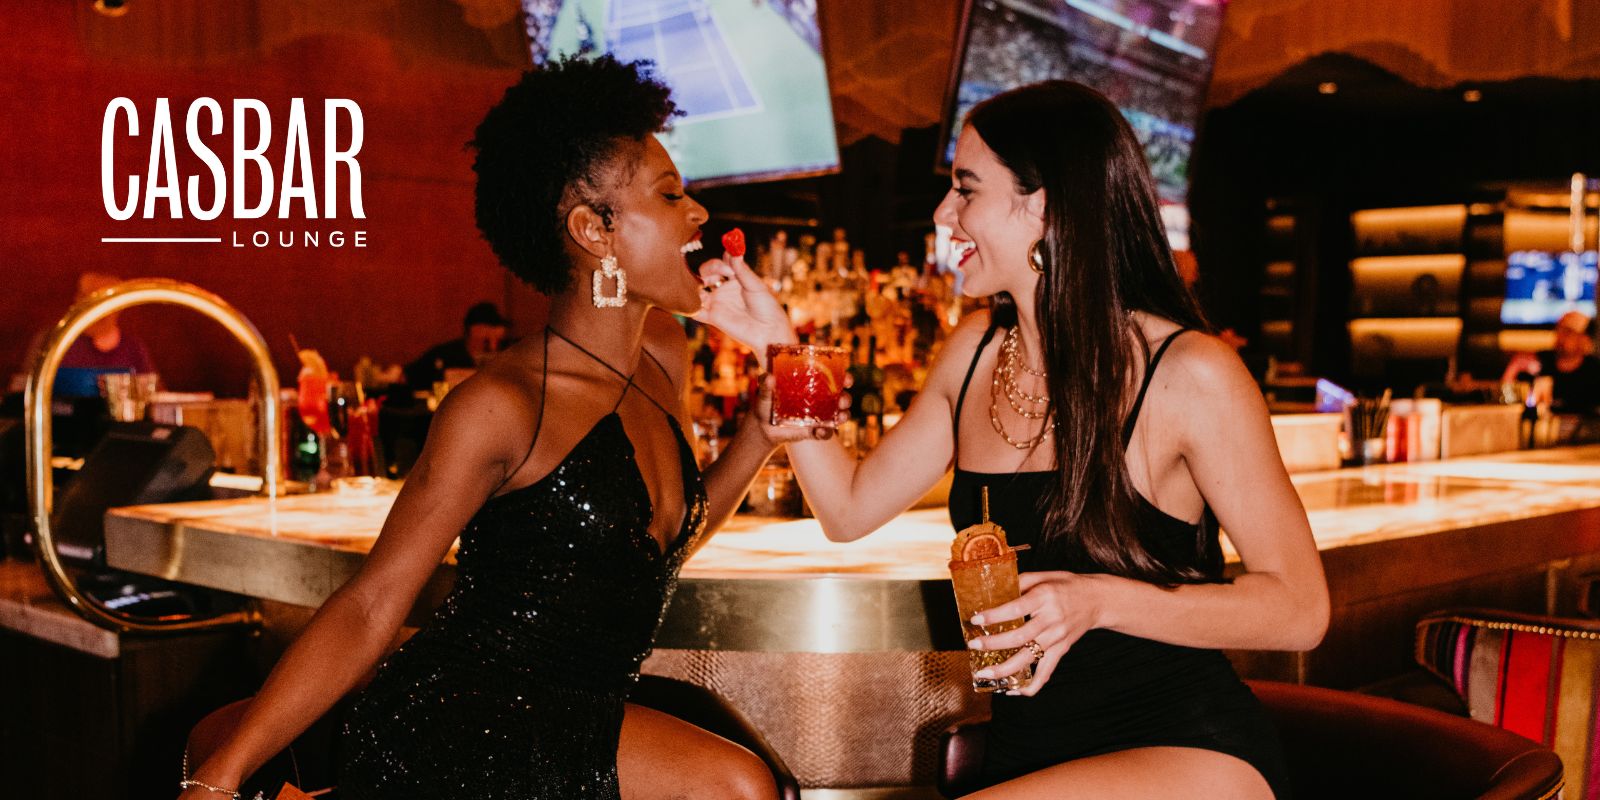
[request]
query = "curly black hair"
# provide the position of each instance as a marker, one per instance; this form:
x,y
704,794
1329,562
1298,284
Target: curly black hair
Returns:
x,y
545,146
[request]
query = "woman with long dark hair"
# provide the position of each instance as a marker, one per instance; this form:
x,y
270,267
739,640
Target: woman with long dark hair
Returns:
x,y
564,469
1113,433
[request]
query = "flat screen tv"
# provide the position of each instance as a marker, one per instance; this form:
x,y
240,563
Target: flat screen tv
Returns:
x,y
748,75
1153,58
1542,285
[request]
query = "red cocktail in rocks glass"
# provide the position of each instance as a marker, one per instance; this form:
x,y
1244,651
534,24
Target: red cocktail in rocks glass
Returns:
x,y
808,380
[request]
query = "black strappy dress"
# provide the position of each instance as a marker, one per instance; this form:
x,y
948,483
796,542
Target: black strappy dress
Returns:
x,y
1112,691
515,687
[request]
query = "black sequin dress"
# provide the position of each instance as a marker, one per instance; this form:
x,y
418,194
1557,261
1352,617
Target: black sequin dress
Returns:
x,y
515,688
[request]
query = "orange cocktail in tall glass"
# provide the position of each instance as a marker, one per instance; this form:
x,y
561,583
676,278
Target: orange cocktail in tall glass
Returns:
x,y
983,572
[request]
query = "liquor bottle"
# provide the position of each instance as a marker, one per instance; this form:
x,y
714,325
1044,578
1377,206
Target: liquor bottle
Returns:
x,y
305,450
866,390
840,264
858,374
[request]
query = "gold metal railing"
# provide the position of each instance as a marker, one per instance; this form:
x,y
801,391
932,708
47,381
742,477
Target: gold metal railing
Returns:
x,y
40,393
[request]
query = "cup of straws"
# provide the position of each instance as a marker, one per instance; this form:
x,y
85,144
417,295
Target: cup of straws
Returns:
x,y
1367,420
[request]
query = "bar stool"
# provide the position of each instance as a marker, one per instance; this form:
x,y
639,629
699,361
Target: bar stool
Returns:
x,y
1530,674
708,711
310,762
1342,745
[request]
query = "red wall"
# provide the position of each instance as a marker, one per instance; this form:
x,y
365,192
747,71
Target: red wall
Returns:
x,y
424,263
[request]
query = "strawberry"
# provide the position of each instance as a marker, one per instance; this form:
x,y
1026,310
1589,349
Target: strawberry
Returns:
x,y
733,243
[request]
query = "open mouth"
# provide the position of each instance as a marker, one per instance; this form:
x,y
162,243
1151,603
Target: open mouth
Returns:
x,y
961,250
691,261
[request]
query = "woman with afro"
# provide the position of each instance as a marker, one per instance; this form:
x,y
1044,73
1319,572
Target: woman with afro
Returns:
x,y
563,467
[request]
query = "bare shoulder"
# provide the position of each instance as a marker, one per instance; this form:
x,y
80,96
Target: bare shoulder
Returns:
x,y
1204,367
970,330
1218,394
950,367
1206,363
494,404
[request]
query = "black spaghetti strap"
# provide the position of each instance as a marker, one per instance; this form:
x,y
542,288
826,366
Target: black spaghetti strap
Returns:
x,y
1149,372
628,384
619,373
657,362
664,374
961,397
538,425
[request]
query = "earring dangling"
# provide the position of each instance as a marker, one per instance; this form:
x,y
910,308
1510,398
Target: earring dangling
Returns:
x,y
609,269
1036,256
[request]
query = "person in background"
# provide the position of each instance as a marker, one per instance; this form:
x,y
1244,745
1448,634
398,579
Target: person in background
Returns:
x,y
105,345
1571,364
483,335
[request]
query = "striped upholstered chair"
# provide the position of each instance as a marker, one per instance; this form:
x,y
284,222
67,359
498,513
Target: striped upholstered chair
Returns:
x,y
1532,675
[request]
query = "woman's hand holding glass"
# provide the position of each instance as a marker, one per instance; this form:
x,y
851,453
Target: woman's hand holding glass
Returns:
x,y
761,416
1060,608
739,304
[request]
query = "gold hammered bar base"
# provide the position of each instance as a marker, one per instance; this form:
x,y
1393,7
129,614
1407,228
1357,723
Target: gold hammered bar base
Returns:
x,y
841,720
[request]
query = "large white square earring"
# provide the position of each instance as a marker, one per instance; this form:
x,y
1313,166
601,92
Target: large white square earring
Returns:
x,y
609,269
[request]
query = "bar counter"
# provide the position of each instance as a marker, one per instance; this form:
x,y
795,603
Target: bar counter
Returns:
x,y
848,655
298,549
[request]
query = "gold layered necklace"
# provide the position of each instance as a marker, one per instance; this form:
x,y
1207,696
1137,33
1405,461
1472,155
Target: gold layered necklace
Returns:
x,y
1027,406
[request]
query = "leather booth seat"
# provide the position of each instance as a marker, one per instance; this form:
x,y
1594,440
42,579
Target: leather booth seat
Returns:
x,y
1344,745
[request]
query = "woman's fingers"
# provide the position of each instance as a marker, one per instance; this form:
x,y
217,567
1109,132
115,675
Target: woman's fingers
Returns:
x,y
747,277
716,266
1028,580
779,434
1032,630
1043,670
1016,609
1018,662
716,272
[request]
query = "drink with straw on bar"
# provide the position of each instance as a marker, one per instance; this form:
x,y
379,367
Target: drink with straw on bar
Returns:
x,y
983,571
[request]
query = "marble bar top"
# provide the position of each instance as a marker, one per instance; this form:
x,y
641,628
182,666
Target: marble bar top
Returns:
x,y
778,585
1346,507
29,607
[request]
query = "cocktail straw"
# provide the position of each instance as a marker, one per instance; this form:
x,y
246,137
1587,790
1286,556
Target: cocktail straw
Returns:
x,y
1368,417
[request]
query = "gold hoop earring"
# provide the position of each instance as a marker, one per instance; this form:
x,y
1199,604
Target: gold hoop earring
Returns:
x,y
1036,256
609,269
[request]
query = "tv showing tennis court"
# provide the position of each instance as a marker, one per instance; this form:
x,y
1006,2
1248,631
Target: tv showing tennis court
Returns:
x,y
748,74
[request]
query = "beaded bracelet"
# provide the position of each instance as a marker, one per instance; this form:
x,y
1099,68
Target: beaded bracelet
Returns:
x,y
188,782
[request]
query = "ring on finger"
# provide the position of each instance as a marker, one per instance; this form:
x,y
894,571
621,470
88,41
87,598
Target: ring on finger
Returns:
x,y
1035,648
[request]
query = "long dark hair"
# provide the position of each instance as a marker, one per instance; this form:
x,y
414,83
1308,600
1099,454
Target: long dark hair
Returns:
x,y
1106,255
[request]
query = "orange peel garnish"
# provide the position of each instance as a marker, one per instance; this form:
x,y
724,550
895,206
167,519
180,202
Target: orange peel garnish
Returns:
x,y
980,541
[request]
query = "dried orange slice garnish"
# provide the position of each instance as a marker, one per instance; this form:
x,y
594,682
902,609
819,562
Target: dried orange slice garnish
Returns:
x,y
984,545
983,540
